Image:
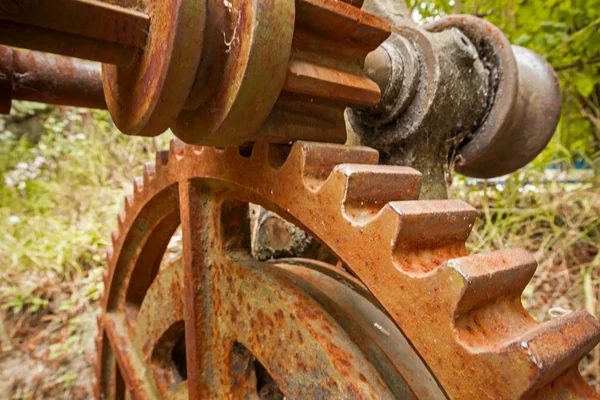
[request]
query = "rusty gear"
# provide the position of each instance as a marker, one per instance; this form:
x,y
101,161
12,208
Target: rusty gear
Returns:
x,y
462,314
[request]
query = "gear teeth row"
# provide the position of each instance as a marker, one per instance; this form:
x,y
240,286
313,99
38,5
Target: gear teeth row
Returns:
x,y
490,317
141,185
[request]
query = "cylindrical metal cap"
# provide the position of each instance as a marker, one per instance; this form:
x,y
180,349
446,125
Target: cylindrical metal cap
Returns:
x,y
532,122
523,111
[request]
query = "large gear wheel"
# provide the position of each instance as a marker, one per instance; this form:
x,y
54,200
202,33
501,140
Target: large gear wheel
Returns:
x,y
414,316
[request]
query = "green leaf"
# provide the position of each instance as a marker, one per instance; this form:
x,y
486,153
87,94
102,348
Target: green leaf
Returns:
x,y
523,40
584,84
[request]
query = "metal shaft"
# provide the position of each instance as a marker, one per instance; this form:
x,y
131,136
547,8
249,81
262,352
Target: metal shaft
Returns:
x,y
44,78
85,29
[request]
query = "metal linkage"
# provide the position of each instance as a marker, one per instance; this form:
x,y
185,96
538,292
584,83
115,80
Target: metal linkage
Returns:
x,y
279,71
457,93
285,70
86,29
523,110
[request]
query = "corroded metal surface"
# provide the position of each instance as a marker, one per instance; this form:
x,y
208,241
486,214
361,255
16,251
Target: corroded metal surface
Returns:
x,y
87,29
296,65
44,78
525,106
145,98
283,70
461,313
87,18
226,73
256,57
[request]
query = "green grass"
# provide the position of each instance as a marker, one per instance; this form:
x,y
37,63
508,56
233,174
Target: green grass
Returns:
x,y
559,223
64,173
60,196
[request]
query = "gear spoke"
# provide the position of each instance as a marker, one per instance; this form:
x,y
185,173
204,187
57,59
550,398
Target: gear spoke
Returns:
x,y
199,220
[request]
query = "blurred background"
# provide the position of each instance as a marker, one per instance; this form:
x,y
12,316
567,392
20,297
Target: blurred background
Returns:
x,y
64,173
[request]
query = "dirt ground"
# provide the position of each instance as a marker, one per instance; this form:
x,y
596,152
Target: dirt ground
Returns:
x,y
48,354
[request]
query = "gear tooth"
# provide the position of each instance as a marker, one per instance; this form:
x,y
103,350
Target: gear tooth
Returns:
x,y
115,238
138,184
316,161
109,256
260,151
378,185
232,152
565,384
325,156
556,346
176,148
490,276
128,204
123,215
429,232
161,158
149,173
196,149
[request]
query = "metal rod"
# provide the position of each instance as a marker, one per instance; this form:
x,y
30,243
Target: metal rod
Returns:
x,y
50,79
78,28
86,18
47,40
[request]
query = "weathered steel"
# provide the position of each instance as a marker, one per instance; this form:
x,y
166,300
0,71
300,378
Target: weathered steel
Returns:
x,y
41,39
405,312
504,101
469,327
256,56
49,79
429,75
525,106
296,65
146,97
86,18
86,29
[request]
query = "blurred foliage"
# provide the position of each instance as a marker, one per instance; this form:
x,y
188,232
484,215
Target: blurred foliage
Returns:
x,y
566,33
64,173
